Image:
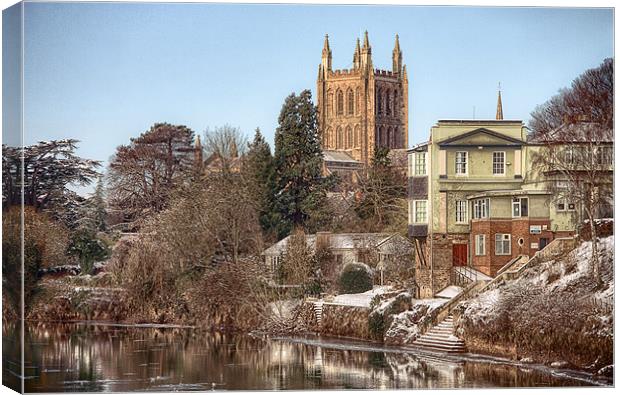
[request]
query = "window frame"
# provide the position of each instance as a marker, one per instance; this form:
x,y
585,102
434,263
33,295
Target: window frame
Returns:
x,y
417,163
503,163
465,163
519,202
504,237
415,212
477,246
464,218
479,206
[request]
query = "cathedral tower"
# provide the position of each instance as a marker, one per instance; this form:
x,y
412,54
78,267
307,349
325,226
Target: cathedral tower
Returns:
x,y
362,108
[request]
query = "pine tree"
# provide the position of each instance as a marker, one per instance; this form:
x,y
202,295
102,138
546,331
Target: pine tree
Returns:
x,y
258,165
93,213
301,188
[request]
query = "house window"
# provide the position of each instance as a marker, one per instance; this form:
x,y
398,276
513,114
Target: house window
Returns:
x,y
480,245
481,208
502,244
461,162
338,258
569,155
565,205
520,207
499,163
604,155
461,211
420,164
420,211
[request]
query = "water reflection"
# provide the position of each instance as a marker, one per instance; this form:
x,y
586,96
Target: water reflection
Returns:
x,y
80,357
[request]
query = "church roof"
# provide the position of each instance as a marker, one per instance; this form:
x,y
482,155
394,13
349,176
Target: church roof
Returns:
x,y
338,156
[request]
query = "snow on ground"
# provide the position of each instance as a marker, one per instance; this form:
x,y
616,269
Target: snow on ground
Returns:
x,y
361,299
450,292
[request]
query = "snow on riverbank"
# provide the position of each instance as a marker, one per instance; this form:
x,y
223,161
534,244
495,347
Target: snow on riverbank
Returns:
x,y
554,312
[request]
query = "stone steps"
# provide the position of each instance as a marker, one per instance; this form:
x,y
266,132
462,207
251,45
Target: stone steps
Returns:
x,y
441,338
318,312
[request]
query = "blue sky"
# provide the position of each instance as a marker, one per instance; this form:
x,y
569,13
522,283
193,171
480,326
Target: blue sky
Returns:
x,y
105,72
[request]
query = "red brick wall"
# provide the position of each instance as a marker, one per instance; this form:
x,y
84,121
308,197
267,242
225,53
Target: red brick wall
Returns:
x,y
518,228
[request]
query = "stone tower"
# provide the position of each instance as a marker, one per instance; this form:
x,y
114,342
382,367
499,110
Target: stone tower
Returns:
x,y
362,108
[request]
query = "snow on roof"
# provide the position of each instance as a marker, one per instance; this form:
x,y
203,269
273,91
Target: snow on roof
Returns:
x,y
337,241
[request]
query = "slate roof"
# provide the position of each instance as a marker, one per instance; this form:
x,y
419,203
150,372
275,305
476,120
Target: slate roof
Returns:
x,y
337,241
338,156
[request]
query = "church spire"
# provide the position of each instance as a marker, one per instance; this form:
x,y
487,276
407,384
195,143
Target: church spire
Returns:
x,y
499,115
397,57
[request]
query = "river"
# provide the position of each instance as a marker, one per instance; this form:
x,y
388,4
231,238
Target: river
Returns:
x,y
91,358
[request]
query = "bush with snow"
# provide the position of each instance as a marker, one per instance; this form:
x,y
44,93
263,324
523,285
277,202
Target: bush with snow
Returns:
x,y
355,278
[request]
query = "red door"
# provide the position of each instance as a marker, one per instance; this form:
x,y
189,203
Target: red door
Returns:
x,y
459,254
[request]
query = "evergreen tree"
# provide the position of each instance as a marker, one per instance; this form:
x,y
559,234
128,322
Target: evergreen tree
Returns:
x,y
93,213
301,189
258,165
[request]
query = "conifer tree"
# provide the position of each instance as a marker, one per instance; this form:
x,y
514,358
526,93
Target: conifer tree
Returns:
x,y
258,165
301,189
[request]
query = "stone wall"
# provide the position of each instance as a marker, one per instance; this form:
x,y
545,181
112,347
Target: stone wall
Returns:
x,y
337,320
349,321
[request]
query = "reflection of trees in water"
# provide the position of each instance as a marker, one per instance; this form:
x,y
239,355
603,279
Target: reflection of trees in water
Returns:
x,y
11,356
106,358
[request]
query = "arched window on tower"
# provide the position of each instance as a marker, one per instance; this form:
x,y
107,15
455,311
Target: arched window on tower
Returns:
x,y
350,102
357,101
379,102
327,138
339,138
395,105
349,138
388,103
356,136
396,138
330,104
339,103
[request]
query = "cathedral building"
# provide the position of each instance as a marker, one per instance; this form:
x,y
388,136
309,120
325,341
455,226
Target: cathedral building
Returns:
x,y
362,108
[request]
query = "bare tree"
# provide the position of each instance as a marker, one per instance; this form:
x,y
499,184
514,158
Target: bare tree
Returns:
x,y
591,95
224,146
577,160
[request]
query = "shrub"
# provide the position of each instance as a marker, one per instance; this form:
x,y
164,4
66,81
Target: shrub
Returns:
x,y
355,278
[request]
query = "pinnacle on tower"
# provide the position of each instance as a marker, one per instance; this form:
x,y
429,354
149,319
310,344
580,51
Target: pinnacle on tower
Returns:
x,y
326,57
397,57
326,49
366,42
357,55
499,115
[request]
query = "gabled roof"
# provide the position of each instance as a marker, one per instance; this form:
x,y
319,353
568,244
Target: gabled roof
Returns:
x,y
507,140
